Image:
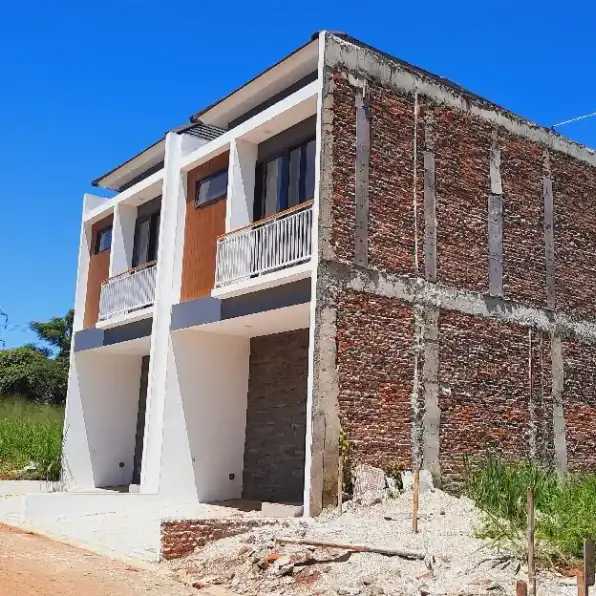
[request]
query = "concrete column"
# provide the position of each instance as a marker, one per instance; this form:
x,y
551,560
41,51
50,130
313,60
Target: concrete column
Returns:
x,y
204,417
173,206
123,238
100,419
241,184
82,275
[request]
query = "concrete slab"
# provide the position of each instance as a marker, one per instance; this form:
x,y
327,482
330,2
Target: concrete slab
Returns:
x,y
23,487
124,526
281,510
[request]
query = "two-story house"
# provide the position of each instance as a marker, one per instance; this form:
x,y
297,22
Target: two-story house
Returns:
x,y
344,241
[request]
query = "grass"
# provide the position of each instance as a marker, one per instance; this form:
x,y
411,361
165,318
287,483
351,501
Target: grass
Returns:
x,y
565,507
30,433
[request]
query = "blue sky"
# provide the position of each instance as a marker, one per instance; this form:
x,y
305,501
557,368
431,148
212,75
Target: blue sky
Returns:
x,y
85,85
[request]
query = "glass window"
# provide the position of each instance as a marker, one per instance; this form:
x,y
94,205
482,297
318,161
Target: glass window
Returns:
x,y
273,185
294,177
309,171
212,188
285,181
146,240
104,240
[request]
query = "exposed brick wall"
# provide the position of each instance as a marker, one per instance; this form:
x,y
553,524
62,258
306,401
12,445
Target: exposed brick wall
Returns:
x,y
344,156
574,189
462,147
391,216
524,267
276,417
179,538
375,369
484,379
579,404
495,370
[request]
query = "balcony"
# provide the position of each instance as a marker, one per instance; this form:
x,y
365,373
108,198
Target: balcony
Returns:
x,y
271,244
128,292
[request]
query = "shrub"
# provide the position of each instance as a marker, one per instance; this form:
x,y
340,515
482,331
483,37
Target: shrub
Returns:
x,y
30,433
31,374
565,506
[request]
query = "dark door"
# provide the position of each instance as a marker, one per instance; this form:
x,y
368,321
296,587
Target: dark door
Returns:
x,y
138,460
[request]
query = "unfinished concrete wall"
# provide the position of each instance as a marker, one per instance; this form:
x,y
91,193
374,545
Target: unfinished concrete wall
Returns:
x,y
444,325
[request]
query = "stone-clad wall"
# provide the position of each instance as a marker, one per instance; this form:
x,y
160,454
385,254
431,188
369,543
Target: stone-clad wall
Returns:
x,y
276,418
456,276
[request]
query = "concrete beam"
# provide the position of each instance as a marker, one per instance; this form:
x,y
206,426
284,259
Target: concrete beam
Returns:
x,y
430,381
362,166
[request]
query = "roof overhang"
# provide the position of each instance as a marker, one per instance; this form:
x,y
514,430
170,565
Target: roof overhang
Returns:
x,y
297,65
118,178
294,67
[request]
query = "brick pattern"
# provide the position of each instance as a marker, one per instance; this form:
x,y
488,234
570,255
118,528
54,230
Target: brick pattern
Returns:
x,y
276,418
180,538
462,148
579,404
391,213
375,370
524,270
343,209
495,378
484,385
574,189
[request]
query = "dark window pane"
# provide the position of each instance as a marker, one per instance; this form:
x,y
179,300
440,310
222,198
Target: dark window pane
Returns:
x,y
212,188
294,177
309,174
142,240
154,237
273,176
104,240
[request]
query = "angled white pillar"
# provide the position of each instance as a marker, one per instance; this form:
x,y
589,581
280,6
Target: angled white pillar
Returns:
x,y
123,238
172,217
241,183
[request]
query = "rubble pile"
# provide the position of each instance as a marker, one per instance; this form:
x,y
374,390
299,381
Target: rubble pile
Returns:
x,y
453,561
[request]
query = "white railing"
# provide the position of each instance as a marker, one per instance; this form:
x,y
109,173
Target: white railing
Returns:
x,y
271,244
127,292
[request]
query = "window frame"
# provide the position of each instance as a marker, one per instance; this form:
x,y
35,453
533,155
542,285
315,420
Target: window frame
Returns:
x,y
207,179
98,236
153,244
282,194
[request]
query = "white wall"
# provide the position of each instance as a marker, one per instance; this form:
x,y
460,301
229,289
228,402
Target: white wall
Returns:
x,y
123,238
101,417
173,204
205,416
241,184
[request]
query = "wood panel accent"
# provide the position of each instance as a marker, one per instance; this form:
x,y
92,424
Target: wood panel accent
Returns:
x,y
99,271
202,228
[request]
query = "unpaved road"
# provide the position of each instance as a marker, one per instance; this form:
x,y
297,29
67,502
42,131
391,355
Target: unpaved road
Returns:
x,y
31,565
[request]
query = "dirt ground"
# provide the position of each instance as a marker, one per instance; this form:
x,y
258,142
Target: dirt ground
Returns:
x,y
31,565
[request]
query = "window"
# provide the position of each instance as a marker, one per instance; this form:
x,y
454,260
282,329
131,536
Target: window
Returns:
x,y
146,240
103,240
212,188
285,181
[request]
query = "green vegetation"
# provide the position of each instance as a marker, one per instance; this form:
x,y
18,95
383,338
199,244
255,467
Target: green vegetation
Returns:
x,y
565,507
30,434
39,372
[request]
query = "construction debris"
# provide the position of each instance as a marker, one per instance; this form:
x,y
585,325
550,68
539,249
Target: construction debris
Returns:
x,y
390,552
368,479
323,556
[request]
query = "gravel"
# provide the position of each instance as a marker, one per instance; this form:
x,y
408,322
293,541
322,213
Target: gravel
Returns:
x,y
456,563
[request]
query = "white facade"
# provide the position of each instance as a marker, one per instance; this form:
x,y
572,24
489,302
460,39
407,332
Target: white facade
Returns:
x,y
192,434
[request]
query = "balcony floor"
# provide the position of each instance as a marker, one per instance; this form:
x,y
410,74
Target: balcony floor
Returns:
x,y
262,282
